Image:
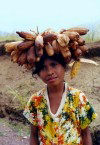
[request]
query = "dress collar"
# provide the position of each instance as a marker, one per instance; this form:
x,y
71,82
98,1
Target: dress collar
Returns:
x,y
61,103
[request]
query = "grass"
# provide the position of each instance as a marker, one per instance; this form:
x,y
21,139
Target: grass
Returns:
x,y
10,37
20,94
91,37
1,134
20,97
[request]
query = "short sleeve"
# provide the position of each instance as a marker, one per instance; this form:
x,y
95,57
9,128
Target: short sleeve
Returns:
x,y
86,111
30,112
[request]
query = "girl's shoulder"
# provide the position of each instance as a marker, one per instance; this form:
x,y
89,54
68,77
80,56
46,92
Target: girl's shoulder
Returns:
x,y
38,94
75,92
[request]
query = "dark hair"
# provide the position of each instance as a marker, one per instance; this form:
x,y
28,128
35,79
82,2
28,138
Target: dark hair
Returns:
x,y
39,65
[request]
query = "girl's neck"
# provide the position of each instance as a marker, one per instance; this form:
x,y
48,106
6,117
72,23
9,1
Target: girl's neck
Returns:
x,y
56,89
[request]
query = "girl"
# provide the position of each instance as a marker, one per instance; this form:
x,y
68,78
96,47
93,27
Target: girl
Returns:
x,y
59,114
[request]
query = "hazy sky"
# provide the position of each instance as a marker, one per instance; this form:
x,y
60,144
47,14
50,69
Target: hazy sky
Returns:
x,y
27,14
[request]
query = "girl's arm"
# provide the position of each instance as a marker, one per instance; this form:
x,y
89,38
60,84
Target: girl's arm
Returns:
x,y
86,137
34,135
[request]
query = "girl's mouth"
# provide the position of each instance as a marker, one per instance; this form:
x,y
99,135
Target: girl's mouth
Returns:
x,y
51,79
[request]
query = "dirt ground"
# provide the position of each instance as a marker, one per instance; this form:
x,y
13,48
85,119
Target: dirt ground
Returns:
x,y
17,78
9,135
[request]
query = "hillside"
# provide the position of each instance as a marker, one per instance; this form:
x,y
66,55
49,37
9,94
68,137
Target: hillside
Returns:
x,y
15,81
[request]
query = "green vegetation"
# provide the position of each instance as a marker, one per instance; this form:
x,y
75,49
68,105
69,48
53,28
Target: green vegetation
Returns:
x,y
9,37
92,37
19,97
1,134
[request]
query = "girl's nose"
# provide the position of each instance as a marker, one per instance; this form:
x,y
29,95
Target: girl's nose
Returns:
x,y
49,71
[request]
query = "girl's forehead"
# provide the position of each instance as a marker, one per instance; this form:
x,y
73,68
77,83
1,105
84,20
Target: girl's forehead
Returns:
x,y
47,61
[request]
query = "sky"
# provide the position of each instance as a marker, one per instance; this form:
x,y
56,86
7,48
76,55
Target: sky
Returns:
x,y
26,15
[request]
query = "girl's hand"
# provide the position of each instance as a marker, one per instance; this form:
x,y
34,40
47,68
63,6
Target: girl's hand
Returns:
x,y
86,137
34,140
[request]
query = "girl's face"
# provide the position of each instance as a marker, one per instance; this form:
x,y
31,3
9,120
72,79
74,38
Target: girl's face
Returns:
x,y
52,73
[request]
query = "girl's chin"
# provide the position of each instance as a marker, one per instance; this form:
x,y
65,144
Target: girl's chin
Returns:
x,y
53,83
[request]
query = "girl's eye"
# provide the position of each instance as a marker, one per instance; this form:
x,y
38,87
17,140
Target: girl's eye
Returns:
x,y
53,64
43,67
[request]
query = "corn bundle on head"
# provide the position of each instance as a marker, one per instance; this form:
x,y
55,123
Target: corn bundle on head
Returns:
x,y
68,42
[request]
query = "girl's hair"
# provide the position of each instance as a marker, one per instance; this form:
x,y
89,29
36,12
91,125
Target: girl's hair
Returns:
x,y
56,57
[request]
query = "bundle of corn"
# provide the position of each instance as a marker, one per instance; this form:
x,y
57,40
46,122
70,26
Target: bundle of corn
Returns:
x,y
67,42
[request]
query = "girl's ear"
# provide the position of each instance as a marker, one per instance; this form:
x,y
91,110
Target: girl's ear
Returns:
x,y
38,74
35,76
65,68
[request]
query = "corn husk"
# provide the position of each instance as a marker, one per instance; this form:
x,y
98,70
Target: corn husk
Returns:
x,y
31,55
56,46
26,35
88,61
49,37
75,68
84,48
73,45
25,45
22,58
15,56
11,46
49,49
81,41
72,35
39,41
81,31
63,40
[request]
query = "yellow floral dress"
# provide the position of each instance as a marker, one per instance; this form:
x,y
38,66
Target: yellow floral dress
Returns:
x,y
63,128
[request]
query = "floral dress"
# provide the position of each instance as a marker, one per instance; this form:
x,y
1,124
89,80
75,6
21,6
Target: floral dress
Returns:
x,y
63,128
